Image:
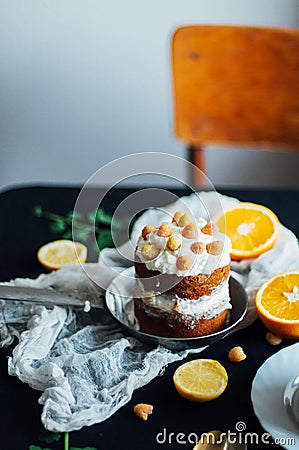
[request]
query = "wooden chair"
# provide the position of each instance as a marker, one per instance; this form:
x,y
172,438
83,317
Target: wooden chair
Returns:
x,y
235,85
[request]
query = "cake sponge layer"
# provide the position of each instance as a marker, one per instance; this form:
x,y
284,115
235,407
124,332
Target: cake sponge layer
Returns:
x,y
190,287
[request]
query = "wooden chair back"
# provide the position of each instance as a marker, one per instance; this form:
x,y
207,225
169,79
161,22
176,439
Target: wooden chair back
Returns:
x,y
235,85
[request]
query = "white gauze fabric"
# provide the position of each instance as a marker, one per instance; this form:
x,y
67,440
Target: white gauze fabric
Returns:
x,y
87,370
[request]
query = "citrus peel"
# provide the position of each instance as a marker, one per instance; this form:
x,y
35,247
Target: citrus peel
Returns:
x,y
277,304
253,229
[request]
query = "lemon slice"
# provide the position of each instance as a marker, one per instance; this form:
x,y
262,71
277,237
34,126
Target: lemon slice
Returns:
x,y
57,254
200,380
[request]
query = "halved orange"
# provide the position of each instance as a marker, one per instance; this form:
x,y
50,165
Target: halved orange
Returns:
x,y
57,254
253,229
200,380
277,304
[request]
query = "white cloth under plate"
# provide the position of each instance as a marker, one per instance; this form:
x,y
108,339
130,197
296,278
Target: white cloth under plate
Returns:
x,y
87,371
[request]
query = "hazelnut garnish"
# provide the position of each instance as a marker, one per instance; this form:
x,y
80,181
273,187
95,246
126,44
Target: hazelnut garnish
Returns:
x,y
190,231
184,262
236,354
174,242
165,230
197,247
272,339
176,217
148,229
143,410
215,247
149,251
208,229
184,220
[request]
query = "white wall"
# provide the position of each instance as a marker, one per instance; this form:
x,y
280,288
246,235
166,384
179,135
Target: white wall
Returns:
x,y
85,81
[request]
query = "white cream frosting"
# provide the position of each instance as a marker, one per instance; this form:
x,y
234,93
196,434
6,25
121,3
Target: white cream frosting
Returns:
x,y
206,307
203,263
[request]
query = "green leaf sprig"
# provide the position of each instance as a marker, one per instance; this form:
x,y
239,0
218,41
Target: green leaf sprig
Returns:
x,y
98,222
67,447
49,437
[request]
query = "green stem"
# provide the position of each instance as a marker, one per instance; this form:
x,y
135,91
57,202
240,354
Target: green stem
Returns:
x,y
52,216
55,217
84,225
66,440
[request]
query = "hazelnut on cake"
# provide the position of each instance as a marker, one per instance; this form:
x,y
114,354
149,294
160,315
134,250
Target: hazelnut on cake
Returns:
x,y
182,270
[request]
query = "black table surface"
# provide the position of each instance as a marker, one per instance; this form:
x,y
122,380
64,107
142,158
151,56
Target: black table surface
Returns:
x,y
21,234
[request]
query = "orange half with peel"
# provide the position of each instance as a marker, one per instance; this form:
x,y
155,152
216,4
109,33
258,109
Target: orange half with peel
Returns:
x,y
253,229
277,304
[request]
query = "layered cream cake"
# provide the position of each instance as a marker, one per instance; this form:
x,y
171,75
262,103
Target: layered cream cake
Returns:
x,y
182,271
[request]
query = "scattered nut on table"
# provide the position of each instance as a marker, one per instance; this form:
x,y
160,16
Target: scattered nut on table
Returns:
x,y
272,339
236,354
143,410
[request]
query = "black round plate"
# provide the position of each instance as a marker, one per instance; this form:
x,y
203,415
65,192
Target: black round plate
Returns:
x,y
119,302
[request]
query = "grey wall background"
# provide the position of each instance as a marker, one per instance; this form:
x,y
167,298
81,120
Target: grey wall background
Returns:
x,y
85,81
